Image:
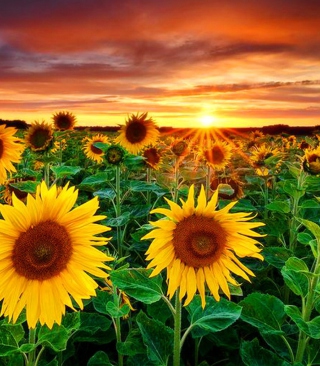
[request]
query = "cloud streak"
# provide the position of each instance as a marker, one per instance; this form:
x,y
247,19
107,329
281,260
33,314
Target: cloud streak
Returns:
x,y
256,61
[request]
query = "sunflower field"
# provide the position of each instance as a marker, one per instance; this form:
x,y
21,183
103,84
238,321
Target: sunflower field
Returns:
x,y
137,247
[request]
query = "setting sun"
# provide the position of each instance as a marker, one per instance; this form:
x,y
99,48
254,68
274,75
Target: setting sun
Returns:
x,y
207,121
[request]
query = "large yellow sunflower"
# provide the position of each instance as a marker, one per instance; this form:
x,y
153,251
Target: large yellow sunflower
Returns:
x,y
199,245
138,132
47,254
39,136
92,152
10,151
64,121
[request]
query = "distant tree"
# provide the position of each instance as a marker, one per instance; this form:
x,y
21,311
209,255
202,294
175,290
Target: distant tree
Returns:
x,y
17,123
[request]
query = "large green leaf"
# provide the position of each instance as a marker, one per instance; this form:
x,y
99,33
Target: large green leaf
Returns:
x,y
100,301
8,344
253,354
133,344
64,171
95,182
263,311
214,317
137,284
279,206
55,338
157,337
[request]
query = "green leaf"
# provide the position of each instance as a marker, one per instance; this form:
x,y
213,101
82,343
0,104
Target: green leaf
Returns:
x,y
252,354
8,345
311,328
276,256
133,344
312,226
55,338
157,337
263,311
65,171
279,206
215,317
92,322
95,182
100,358
119,221
142,186
100,301
136,283
117,312
26,186
304,238
107,193
290,188
310,204
295,274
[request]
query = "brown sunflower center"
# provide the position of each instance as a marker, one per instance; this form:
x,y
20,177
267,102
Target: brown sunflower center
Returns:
x,y
95,149
136,132
1,148
215,155
42,252
64,122
199,241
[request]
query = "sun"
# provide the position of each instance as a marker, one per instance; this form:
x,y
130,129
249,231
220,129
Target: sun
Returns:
x,y
207,121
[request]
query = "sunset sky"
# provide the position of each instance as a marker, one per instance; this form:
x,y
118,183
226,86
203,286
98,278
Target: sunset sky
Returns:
x,y
241,62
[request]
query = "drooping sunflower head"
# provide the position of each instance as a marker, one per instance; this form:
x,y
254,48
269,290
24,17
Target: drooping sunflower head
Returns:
x,y
64,121
228,187
114,154
11,149
311,161
138,132
92,152
48,254
200,245
218,155
152,157
39,136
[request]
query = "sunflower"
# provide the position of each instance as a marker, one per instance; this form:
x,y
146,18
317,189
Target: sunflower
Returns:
x,y
10,189
92,152
152,157
180,147
138,132
114,155
218,155
64,121
264,158
46,252
311,161
233,187
39,136
10,151
199,245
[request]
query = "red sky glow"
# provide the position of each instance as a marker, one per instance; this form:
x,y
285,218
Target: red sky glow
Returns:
x,y
242,62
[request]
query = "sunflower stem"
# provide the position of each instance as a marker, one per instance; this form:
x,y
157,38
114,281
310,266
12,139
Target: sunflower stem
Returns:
x,y
307,309
176,181
118,209
117,323
207,181
177,331
32,354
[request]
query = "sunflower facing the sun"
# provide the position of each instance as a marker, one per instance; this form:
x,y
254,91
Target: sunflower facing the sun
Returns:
x,y
47,254
39,136
218,155
10,151
138,132
92,152
200,245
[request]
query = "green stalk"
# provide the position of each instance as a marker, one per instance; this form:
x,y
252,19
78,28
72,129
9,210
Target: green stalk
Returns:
x,y
177,331
32,354
307,309
117,323
208,181
176,181
118,209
